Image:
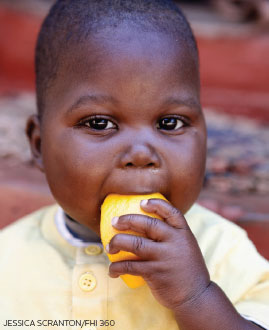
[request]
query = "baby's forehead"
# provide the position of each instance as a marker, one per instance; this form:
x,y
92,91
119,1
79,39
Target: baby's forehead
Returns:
x,y
118,67
59,41
124,44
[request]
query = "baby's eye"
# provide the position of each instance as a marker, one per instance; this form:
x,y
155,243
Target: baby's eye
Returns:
x,y
99,123
170,123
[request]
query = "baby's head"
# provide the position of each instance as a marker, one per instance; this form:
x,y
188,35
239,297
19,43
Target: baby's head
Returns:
x,y
118,103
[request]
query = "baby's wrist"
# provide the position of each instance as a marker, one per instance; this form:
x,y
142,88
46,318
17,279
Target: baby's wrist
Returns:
x,y
192,302
208,310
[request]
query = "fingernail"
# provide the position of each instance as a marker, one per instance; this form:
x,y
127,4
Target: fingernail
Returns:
x,y
114,221
144,202
107,248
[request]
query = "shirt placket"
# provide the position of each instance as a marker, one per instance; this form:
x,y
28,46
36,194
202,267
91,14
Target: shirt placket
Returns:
x,y
90,287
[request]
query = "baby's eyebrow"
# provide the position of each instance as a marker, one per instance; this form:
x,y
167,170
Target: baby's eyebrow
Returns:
x,y
91,98
187,102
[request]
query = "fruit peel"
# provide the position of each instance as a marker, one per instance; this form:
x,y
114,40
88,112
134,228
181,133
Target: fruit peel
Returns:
x,y
116,205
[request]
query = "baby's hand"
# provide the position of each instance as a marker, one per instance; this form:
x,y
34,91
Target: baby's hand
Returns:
x,y
171,260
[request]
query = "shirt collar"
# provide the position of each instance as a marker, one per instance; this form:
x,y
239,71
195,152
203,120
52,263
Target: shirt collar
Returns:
x,y
56,234
66,233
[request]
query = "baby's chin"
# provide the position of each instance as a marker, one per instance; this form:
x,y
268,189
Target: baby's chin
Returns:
x,y
82,230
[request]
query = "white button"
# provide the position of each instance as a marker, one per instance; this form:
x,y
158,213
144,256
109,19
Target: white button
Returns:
x,y
93,250
87,282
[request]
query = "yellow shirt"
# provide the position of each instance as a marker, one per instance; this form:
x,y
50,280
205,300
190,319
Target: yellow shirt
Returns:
x,y
47,282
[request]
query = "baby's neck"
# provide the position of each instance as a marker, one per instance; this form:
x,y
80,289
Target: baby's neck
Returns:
x,y
79,231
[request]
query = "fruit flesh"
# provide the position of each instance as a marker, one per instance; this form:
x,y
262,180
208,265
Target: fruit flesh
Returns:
x,y
114,206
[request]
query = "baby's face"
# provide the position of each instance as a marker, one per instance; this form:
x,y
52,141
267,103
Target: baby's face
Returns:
x,y
124,117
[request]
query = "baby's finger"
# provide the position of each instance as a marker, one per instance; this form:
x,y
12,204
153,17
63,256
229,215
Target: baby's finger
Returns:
x,y
166,211
143,247
152,228
132,267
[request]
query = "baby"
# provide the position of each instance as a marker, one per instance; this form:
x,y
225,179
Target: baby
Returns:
x,y
118,96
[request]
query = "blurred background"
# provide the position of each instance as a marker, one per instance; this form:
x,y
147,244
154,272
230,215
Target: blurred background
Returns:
x,y
233,38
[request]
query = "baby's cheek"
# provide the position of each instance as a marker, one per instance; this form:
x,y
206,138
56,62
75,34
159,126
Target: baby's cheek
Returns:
x,y
188,176
196,151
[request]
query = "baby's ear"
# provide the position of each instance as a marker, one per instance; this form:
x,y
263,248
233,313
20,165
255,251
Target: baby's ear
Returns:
x,y
33,133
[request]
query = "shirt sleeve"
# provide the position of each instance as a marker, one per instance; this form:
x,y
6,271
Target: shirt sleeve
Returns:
x,y
233,263
253,304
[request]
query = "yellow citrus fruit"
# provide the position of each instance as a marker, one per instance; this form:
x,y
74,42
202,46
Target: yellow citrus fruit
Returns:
x,y
114,206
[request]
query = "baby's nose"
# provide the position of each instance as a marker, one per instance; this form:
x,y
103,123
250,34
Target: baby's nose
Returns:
x,y
140,155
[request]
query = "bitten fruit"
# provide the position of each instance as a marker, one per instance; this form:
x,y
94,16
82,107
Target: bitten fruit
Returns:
x,y
114,206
